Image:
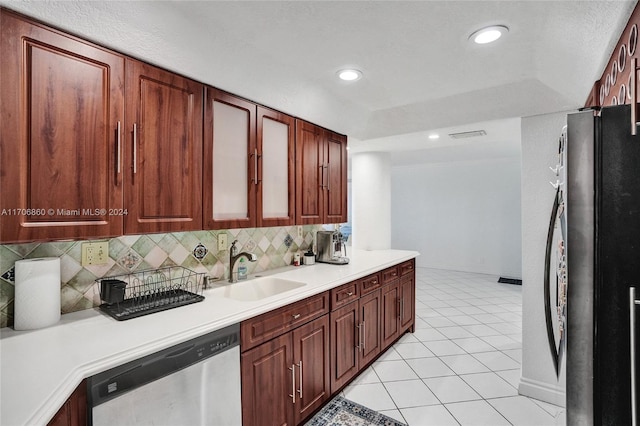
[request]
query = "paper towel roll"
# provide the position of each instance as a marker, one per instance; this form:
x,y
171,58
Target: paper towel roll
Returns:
x,y
37,293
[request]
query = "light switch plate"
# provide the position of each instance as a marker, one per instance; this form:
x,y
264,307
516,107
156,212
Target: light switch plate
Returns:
x,y
222,242
299,231
95,253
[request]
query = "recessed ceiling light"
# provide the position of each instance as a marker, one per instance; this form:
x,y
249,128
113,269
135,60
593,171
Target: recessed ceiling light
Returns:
x,y
349,75
434,136
488,34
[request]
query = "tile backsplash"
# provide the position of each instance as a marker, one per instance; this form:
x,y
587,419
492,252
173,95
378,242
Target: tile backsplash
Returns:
x,y
197,250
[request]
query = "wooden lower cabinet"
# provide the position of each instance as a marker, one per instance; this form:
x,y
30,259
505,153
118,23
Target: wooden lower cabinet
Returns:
x,y
297,357
390,313
345,341
355,338
287,378
267,383
74,410
311,363
370,309
407,297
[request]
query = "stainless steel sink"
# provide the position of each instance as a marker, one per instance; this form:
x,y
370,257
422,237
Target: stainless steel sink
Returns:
x,y
259,288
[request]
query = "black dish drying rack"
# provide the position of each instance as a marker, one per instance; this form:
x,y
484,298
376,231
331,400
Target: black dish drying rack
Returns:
x,y
146,292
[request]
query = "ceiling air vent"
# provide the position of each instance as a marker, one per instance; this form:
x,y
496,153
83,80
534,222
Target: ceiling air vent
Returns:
x,y
472,134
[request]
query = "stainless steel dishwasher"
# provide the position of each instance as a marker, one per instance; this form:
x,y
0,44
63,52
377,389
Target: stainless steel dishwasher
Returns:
x,y
193,383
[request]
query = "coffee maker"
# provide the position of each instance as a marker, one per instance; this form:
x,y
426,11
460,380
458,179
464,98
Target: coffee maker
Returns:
x,y
332,247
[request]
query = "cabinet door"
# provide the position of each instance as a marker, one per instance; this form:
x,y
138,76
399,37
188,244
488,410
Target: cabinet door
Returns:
x,y
345,341
275,167
268,392
231,161
390,313
311,358
310,173
407,301
74,410
370,314
62,106
335,177
164,158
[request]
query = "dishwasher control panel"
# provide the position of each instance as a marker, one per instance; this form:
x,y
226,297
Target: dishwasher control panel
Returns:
x,y
112,383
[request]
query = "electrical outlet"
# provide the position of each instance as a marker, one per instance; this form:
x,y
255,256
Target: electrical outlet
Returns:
x,y
299,231
222,242
95,253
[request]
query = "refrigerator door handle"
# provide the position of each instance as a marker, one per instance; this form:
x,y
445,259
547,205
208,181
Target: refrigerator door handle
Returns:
x,y
632,343
634,96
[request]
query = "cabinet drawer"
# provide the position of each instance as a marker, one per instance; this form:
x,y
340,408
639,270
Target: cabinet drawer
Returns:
x,y
389,274
407,267
271,324
344,294
369,283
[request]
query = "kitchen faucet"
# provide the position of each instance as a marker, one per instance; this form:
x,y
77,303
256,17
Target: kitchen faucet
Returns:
x,y
233,258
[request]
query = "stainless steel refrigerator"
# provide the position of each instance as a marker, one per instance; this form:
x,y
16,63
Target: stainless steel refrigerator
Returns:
x,y
603,265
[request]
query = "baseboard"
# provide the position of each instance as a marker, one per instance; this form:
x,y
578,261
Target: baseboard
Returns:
x,y
542,391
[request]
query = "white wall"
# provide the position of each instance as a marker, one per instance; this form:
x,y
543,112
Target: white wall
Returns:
x,y
371,199
539,151
462,216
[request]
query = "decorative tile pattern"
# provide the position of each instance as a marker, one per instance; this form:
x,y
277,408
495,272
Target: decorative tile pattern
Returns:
x,y
130,261
10,275
200,251
130,253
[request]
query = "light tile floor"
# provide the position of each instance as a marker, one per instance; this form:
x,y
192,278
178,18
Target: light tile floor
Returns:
x,y
462,364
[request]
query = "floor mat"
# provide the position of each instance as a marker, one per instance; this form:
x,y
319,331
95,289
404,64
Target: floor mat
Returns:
x,y
342,412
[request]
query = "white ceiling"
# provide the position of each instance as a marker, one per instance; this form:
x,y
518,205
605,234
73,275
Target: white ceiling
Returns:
x,y
420,72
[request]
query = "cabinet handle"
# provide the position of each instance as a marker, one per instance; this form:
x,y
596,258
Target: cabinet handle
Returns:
x,y
293,383
364,336
399,308
255,167
295,316
118,146
328,177
634,96
374,282
135,148
359,345
350,293
300,376
632,343
321,167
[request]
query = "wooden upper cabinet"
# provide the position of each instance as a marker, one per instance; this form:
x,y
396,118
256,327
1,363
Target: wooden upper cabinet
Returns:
x,y
61,106
336,177
276,168
309,174
164,150
230,161
321,175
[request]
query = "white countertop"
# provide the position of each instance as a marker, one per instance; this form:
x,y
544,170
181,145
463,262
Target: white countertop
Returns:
x,y
40,369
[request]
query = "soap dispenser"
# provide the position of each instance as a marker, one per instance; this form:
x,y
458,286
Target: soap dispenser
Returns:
x,y
242,270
